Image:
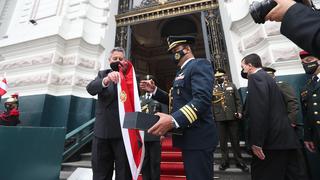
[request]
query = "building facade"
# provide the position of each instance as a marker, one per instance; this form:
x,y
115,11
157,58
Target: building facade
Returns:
x,y
51,49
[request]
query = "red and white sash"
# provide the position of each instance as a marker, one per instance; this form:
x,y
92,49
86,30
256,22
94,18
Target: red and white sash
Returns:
x,y
129,101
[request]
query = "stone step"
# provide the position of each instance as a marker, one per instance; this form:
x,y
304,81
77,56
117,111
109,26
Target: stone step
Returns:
x,y
71,166
86,156
64,175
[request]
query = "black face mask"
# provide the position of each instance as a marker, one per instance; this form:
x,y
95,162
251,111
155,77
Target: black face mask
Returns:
x,y
220,80
115,65
177,56
311,67
243,74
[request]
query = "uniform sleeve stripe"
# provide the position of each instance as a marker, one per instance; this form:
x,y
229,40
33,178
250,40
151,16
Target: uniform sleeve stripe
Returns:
x,y
186,114
192,112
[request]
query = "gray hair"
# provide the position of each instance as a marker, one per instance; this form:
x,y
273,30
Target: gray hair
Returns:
x,y
118,49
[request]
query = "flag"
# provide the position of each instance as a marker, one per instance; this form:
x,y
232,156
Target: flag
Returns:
x,y
128,101
3,87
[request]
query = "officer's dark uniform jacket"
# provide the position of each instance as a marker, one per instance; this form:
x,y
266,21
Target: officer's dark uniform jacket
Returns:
x,y
291,101
192,95
149,105
310,101
226,102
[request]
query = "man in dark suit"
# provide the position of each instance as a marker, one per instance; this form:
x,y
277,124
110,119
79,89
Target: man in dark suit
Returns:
x,y
192,95
108,149
152,143
289,96
272,139
299,23
227,111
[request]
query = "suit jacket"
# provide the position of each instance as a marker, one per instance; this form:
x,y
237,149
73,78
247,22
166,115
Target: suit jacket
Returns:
x,y
269,125
226,102
149,105
310,102
302,26
107,124
192,95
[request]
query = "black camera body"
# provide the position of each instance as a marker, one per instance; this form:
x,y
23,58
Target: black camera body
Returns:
x,y
259,10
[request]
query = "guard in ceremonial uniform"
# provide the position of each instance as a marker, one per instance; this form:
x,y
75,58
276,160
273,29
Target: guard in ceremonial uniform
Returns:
x,y
227,113
152,157
310,101
10,117
192,95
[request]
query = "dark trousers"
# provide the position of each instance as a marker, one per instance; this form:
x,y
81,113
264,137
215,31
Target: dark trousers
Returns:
x,y
151,162
279,165
107,154
229,129
198,164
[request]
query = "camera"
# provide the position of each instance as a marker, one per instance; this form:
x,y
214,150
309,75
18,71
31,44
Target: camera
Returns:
x,y
259,10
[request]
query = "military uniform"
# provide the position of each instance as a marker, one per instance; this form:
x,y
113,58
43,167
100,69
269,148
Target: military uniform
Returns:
x,y
310,101
192,95
10,117
152,158
226,107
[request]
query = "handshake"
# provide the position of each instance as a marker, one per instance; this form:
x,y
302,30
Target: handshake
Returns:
x,y
273,9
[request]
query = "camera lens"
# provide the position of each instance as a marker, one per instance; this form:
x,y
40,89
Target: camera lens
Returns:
x,y
259,10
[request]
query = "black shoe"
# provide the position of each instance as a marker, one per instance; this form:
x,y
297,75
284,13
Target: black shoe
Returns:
x,y
243,167
224,166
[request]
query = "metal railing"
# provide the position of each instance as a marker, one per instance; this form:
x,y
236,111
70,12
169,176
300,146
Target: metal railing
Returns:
x,y
78,138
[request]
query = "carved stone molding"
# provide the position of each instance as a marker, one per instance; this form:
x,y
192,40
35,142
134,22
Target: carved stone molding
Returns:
x,y
67,60
266,59
26,62
86,63
81,81
272,28
61,80
29,80
285,54
254,39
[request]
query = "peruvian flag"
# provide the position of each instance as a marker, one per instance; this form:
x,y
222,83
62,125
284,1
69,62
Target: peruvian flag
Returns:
x,y
129,101
3,87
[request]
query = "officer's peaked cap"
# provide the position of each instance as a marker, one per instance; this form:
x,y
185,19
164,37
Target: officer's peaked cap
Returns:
x,y
304,54
11,100
173,41
269,70
219,72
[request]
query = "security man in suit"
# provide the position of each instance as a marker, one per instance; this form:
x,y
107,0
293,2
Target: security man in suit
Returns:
x,y
310,101
292,105
227,113
152,156
289,95
192,95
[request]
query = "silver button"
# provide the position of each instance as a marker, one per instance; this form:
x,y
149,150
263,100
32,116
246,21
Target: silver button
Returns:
x,y
315,104
314,95
316,112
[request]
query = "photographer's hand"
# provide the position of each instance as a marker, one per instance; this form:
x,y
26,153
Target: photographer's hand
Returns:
x,y
277,13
